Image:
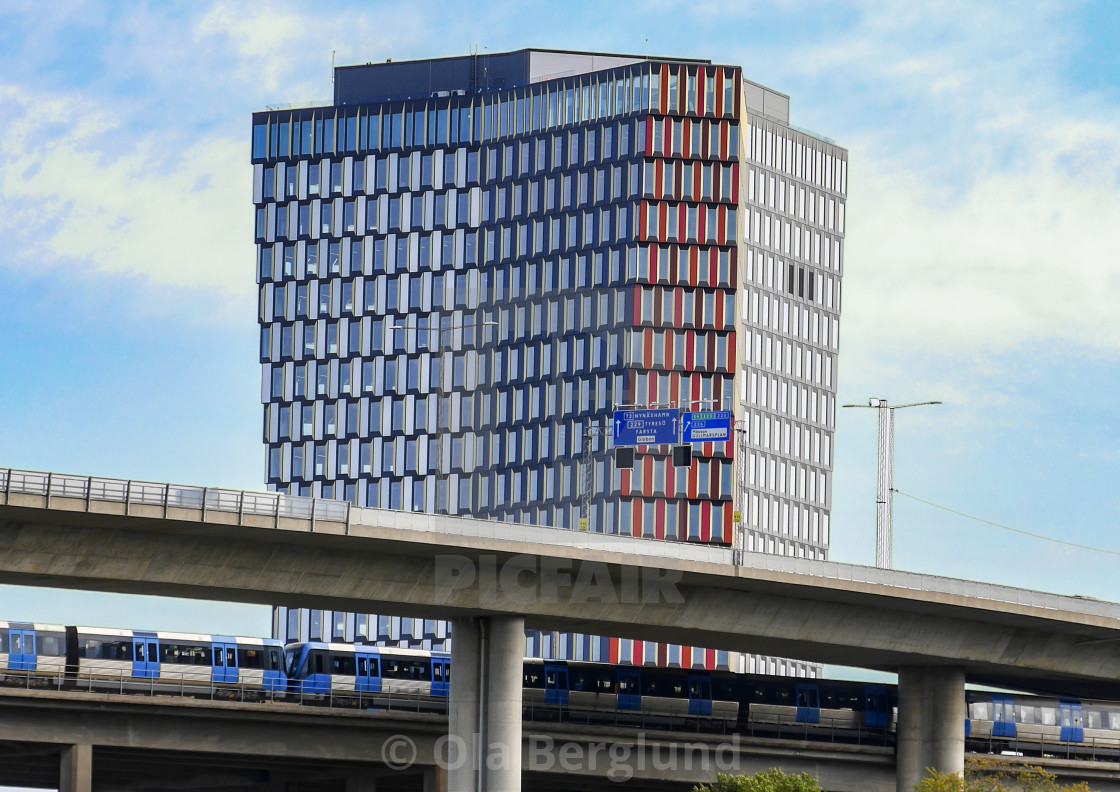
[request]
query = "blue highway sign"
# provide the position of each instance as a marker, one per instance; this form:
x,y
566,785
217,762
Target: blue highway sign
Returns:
x,y
645,427
706,427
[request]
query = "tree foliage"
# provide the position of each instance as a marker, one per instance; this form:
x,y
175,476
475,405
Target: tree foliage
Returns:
x,y
772,780
992,775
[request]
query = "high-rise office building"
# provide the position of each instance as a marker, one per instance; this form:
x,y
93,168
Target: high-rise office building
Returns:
x,y
467,264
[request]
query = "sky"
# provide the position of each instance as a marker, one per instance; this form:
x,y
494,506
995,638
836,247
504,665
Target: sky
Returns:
x,y
982,264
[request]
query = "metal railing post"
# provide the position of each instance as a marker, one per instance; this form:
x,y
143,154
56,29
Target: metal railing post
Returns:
x,y
166,499
50,476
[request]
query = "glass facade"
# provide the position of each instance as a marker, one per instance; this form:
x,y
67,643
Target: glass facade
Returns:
x,y
456,290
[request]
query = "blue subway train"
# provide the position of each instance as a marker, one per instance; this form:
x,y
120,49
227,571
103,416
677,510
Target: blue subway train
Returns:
x,y
318,669
108,658
999,722
716,700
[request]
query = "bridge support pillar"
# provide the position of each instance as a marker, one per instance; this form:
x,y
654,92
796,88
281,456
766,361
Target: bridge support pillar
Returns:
x,y
484,714
76,769
931,714
505,678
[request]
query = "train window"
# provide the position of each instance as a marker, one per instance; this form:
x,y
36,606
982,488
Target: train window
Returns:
x,y
550,678
250,658
677,689
116,650
231,657
219,658
185,654
1048,716
624,685
437,672
274,659
1026,714
52,646
420,670
17,644
291,659
649,687
532,678
979,711
342,664
3,641
1114,720
318,661
362,671
807,697
606,684
1092,719
578,680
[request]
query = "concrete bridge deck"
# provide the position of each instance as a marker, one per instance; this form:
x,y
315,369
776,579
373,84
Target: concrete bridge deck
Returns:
x,y
112,535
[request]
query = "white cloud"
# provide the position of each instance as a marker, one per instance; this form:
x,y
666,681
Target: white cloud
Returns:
x,y
266,38
1024,253
176,217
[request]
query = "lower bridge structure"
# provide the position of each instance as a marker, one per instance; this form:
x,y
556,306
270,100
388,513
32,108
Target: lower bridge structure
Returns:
x,y
79,741
494,579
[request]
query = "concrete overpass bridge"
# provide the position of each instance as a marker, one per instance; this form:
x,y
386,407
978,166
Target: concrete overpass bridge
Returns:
x,y
495,578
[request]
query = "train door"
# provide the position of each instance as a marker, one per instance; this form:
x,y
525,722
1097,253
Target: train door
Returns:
x,y
629,694
1071,721
440,676
225,662
699,695
1003,715
145,657
368,673
555,684
808,704
21,644
876,707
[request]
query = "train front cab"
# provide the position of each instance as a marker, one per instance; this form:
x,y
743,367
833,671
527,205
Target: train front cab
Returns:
x,y
307,673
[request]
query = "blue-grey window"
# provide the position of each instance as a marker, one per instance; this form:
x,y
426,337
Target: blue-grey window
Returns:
x,y
260,141
312,265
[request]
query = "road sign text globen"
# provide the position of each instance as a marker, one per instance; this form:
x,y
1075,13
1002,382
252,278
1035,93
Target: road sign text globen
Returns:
x,y
646,427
